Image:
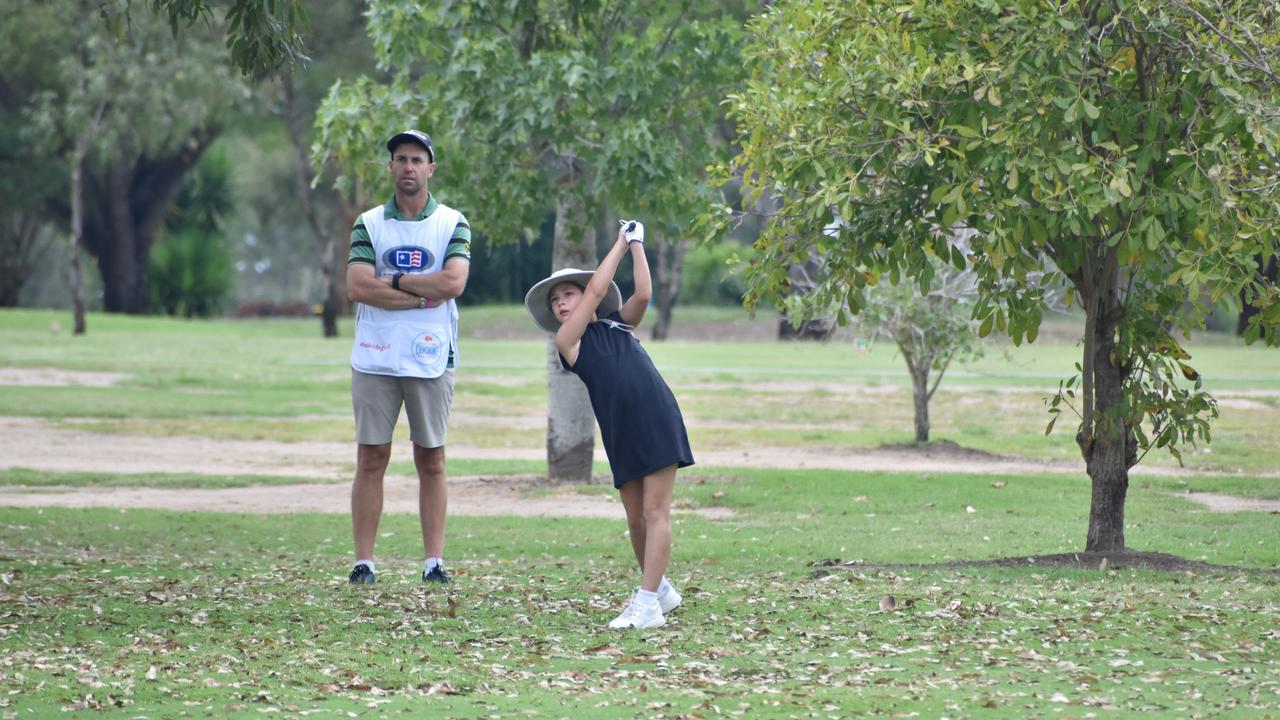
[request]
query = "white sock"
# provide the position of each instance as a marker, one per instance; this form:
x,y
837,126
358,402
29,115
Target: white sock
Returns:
x,y
431,563
368,564
664,586
645,597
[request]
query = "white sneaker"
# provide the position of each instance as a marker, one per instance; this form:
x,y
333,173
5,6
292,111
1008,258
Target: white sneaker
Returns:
x,y
639,615
669,600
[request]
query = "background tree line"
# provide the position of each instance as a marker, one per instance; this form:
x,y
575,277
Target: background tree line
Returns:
x,y
171,130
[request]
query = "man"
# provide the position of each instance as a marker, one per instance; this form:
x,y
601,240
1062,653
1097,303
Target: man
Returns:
x,y
409,259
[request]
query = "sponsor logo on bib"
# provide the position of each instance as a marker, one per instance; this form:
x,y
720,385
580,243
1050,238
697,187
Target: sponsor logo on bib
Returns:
x,y
427,348
408,258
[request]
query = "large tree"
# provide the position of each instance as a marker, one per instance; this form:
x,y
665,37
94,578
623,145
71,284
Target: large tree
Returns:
x,y
127,120
1126,148
584,110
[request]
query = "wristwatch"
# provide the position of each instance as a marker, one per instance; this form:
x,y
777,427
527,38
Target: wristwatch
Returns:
x,y
395,280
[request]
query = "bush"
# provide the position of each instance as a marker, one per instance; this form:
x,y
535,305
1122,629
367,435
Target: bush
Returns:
x,y
189,273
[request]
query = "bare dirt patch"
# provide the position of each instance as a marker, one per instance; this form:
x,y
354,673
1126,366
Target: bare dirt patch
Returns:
x,y
473,495
51,377
39,445
1231,503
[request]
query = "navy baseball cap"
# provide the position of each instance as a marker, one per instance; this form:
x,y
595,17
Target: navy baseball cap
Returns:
x,y
413,136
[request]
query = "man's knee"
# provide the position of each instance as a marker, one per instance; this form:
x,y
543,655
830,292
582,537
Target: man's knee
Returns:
x,y
429,461
373,459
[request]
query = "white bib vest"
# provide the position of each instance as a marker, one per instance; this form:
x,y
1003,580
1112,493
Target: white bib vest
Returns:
x,y
416,342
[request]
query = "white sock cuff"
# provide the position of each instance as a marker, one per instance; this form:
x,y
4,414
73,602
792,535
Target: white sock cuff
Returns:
x,y
646,596
432,562
369,564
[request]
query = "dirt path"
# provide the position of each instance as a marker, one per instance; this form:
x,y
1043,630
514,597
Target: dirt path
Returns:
x,y
35,444
467,496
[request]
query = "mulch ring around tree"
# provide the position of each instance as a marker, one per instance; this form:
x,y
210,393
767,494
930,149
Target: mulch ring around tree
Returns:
x,y
1082,560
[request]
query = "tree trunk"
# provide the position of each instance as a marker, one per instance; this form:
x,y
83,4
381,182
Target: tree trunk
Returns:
x,y
77,232
125,205
1107,444
570,422
325,236
920,397
666,281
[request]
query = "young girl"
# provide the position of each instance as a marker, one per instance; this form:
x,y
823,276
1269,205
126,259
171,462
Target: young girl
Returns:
x,y
640,422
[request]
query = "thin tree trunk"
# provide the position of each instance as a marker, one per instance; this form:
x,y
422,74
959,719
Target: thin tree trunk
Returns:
x,y
77,231
920,398
670,269
570,422
324,236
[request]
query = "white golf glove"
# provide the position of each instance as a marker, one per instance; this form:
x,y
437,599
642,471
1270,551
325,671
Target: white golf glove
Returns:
x,y
633,231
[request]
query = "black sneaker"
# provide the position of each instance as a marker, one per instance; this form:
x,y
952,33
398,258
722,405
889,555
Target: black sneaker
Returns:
x,y
436,575
362,575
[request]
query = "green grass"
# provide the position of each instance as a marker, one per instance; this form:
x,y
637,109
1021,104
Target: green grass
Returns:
x,y
141,613
158,614
278,380
10,477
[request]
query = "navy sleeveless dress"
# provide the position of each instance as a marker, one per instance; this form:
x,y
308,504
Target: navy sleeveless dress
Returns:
x,y
640,422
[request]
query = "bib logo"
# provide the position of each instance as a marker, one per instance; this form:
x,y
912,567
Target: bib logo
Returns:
x,y
427,348
408,258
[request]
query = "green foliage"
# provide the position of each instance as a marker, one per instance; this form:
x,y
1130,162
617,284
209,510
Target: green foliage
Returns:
x,y
713,274
531,104
206,197
1127,149
142,98
931,328
189,274
189,271
263,36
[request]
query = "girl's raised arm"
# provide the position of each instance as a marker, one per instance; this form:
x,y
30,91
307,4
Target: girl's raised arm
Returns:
x,y
634,308
570,332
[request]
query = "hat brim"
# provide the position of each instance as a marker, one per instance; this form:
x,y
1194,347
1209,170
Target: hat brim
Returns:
x,y
536,301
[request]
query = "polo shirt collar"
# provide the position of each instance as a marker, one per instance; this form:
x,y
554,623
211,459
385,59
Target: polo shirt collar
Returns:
x,y
392,211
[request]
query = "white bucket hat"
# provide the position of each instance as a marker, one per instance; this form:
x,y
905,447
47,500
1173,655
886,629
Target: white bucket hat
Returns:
x,y
538,300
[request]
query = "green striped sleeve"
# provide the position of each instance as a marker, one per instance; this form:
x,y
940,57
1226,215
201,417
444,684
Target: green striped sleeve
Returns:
x,y
459,242
361,245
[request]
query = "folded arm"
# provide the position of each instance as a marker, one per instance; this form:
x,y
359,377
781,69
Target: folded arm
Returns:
x,y
364,286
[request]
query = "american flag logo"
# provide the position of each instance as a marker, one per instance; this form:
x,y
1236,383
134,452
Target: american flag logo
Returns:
x,y
408,258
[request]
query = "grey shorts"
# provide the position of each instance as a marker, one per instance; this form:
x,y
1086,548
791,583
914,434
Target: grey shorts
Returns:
x,y
377,400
